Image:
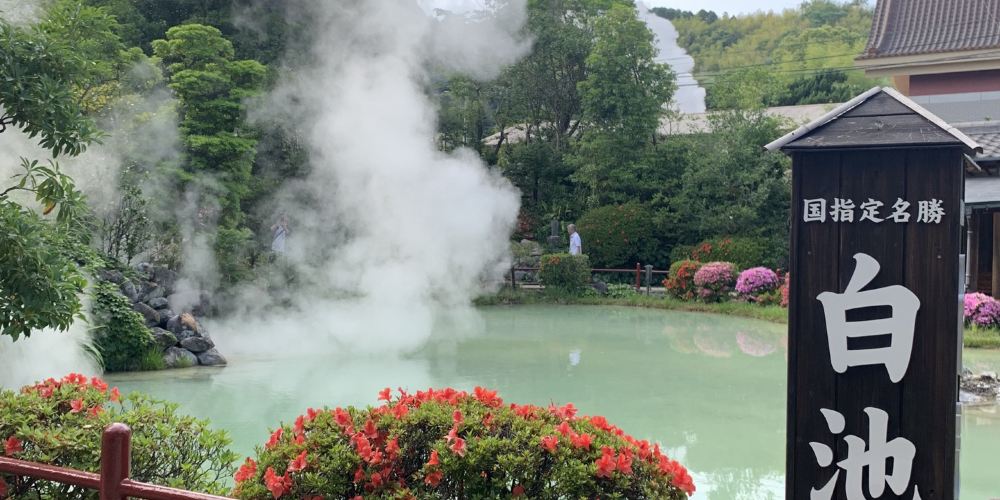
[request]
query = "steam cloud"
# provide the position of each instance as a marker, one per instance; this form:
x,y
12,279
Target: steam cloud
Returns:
x,y
390,231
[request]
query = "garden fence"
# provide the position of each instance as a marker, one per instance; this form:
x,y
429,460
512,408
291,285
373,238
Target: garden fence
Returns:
x,y
639,272
113,481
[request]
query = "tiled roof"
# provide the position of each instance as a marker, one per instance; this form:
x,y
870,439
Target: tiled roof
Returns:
x,y
910,27
987,135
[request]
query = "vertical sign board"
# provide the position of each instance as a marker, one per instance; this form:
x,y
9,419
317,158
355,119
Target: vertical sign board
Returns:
x,y
873,372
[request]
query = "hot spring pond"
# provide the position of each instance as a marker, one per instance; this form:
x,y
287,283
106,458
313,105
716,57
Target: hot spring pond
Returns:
x,y
710,388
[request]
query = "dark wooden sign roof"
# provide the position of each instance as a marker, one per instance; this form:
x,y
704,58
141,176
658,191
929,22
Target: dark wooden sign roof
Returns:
x,y
911,27
879,118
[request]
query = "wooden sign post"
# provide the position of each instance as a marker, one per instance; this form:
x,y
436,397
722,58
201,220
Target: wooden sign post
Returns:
x,y
874,342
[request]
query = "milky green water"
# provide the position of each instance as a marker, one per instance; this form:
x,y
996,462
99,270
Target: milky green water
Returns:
x,y
710,388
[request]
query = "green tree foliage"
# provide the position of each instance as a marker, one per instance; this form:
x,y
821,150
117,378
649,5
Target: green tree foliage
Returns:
x,y
212,86
623,98
122,337
619,235
792,48
59,422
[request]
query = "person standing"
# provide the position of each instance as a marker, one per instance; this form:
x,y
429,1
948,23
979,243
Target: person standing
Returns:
x,y
279,234
575,244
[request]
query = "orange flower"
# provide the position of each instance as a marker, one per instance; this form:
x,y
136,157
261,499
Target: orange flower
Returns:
x,y
456,417
434,460
98,384
606,464
275,437
385,394
115,395
581,440
247,471
95,411
277,485
76,406
433,478
458,447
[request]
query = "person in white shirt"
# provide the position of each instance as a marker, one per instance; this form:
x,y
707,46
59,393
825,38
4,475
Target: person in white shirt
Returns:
x,y
575,245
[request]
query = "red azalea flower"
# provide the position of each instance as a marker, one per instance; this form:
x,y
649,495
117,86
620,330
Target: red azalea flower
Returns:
x,y
487,397
298,464
275,437
456,417
624,464
247,471
550,443
452,434
518,490
488,420
370,429
76,406
277,485
300,424
343,418
581,440
95,411
434,460
376,479
115,395
458,447
311,414
400,411
300,438
564,429
12,445
3,488
385,394
392,449
98,384
359,475
606,464
433,478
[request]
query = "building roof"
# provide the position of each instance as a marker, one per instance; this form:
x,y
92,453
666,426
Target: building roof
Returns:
x,y
982,192
912,27
879,117
987,135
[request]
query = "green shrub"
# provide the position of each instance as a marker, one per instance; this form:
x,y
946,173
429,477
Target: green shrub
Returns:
x,y
564,272
618,235
59,422
715,281
121,336
743,252
622,291
451,444
680,280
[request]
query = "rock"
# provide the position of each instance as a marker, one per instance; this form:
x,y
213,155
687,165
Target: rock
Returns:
x,y
966,397
111,275
156,293
966,372
600,286
158,303
164,338
988,376
174,324
211,357
128,290
152,317
184,334
165,277
165,315
175,357
188,322
197,344
144,268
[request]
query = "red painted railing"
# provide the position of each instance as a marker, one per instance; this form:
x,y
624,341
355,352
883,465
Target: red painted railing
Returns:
x,y
113,482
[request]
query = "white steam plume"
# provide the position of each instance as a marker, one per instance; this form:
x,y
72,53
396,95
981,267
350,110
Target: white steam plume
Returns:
x,y
389,231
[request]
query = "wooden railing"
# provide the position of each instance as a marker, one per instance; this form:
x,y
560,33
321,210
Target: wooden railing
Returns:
x,y
113,482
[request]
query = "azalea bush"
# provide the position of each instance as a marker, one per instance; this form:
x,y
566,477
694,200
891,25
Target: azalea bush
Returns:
x,y
759,284
744,252
981,310
784,289
680,279
563,272
715,280
451,444
59,422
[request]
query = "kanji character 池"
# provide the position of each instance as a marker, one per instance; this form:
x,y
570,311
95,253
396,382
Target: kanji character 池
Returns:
x,y
873,455
899,326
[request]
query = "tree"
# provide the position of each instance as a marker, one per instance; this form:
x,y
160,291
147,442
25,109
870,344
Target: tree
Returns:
x,y
623,98
40,253
211,87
